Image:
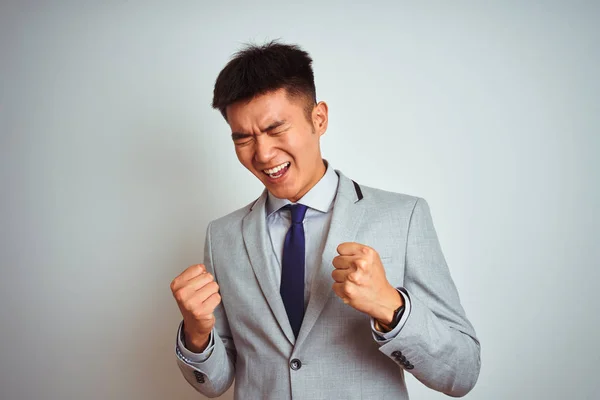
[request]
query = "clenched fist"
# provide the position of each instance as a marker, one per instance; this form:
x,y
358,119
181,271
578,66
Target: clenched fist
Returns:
x,y
197,296
360,281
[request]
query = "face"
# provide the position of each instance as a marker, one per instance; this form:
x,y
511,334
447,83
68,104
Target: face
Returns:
x,y
274,140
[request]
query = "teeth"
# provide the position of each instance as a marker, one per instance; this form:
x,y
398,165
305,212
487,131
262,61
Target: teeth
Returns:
x,y
276,169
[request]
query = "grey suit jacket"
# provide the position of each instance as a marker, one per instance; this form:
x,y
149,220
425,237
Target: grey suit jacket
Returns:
x,y
335,355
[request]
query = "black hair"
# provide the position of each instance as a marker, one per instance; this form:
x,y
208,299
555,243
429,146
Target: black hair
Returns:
x,y
257,70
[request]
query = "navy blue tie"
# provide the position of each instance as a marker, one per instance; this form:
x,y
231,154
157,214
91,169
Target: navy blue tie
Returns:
x,y
292,268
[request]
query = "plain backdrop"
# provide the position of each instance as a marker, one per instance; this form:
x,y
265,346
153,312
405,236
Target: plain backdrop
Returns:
x,y
112,164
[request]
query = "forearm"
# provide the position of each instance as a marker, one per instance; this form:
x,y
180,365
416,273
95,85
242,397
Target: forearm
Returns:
x,y
215,371
386,311
195,342
211,372
437,339
444,357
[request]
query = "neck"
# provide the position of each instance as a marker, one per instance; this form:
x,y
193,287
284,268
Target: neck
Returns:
x,y
318,175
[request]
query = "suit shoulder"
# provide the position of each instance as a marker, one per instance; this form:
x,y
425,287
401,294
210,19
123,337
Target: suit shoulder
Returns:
x,y
233,217
385,198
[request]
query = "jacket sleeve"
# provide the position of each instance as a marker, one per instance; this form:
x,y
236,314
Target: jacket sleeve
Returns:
x,y
437,344
213,376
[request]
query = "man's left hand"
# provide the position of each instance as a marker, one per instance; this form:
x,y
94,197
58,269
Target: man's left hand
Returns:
x,y
360,281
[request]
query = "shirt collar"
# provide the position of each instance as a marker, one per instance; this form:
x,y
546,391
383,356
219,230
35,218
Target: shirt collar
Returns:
x,y
320,197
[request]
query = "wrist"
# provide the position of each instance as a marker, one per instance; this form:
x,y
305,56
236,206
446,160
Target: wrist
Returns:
x,y
197,344
194,341
392,304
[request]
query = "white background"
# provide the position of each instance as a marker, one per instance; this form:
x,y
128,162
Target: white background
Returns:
x,y
112,164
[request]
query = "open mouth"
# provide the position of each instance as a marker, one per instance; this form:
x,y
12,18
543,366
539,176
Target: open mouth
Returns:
x,y
278,171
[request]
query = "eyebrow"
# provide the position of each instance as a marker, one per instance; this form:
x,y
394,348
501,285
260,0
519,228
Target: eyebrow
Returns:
x,y
242,135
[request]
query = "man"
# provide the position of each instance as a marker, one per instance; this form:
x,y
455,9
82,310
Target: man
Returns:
x,y
327,289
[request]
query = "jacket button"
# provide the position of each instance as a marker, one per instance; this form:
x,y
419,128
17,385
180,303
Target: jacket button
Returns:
x,y
295,364
199,377
396,354
410,366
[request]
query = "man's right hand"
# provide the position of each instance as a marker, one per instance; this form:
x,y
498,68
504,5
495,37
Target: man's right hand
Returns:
x,y
197,296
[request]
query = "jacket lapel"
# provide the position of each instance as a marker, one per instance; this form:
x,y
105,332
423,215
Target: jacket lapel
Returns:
x,y
259,248
345,221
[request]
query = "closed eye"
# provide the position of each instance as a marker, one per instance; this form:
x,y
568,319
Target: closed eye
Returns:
x,y
278,133
275,129
243,142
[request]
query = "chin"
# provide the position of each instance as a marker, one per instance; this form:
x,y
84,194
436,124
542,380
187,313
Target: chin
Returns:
x,y
287,190
280,192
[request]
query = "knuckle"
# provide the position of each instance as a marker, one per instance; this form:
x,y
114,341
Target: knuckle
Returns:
x,y
178,296
355,277
213,286
348,291
197,313
198,268
360,263
187,305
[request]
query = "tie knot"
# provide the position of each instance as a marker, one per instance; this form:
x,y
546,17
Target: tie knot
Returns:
x,y
298,212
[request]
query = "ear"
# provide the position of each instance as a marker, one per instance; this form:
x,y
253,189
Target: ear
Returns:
x,y
320,118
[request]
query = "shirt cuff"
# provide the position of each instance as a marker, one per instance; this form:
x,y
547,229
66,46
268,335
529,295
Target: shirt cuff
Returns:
x,y
382,337
189,356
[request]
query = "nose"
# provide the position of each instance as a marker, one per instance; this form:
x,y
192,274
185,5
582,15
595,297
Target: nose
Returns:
x,y
264,150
